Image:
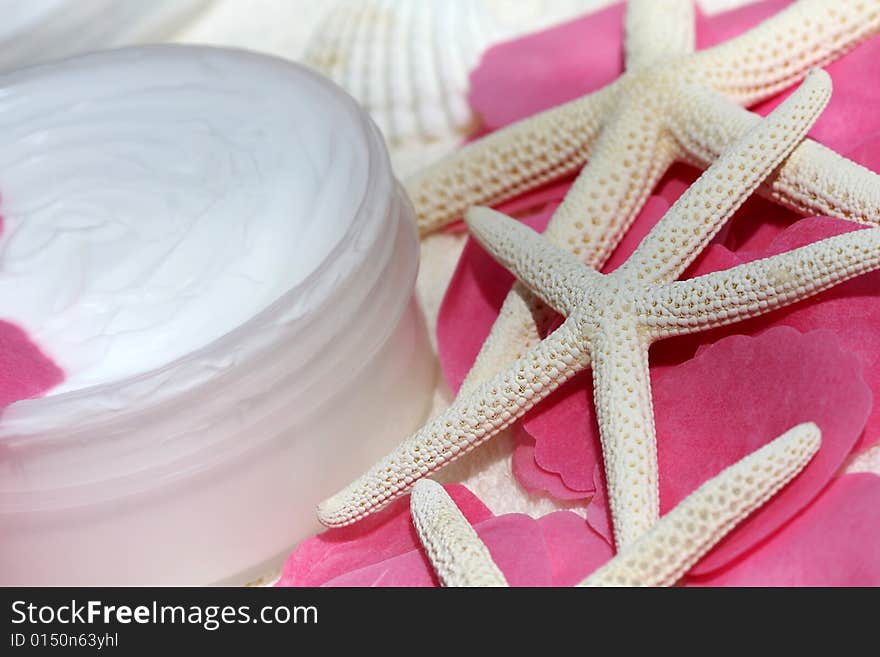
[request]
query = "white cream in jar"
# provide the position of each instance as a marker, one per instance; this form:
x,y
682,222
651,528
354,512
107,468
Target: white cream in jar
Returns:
x,y
212,245
152,216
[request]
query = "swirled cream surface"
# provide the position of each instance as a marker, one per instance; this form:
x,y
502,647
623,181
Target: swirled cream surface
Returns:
x,y
156,198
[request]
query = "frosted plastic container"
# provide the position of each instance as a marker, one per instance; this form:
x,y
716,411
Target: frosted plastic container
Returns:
x,y
208,469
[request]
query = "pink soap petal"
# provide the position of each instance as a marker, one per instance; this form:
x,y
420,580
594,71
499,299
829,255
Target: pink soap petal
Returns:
x,y
25,372
851,310
566,435
515,542
517,545
739,394
532,476
524,76
384,536
833,542
556,550
574,549
410,569
735,396
851,117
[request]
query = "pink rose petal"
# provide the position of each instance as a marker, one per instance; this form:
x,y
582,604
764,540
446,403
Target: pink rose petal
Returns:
x,y
735,396
532,476
25,371
574,550
739,394
517,545
375,540
851,310
851,117
524,76
566,435
835,541
557,550
515,542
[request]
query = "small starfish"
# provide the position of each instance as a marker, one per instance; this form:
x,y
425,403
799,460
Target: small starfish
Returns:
x,y
660,557
631,131
612,320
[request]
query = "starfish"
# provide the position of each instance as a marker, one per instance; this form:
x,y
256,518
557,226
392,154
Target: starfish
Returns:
x,y
630,132
662,556
612,320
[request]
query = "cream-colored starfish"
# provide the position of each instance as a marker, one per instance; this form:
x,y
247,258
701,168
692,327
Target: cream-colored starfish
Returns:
x,y
458,555
631,131
612,319
660,557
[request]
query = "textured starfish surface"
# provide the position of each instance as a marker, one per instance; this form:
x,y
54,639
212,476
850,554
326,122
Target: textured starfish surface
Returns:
x,y
631,131
612,320
458,555
660,557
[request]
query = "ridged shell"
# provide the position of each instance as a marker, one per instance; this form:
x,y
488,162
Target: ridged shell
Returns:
x,y
407,61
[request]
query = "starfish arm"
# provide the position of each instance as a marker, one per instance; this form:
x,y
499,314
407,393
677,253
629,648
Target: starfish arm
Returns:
x,y
510,161
734,294
468,422
521,322
555,275
778,52
622,394
706,206
657,32
455,551
816,180
602,203
628,159
681,537
812,180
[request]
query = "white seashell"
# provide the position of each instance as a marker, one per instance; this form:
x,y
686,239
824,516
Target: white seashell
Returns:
x,y
407,61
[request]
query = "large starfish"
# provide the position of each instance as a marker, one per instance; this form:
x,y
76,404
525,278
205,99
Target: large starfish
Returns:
x,y
612,319
660,557
631,131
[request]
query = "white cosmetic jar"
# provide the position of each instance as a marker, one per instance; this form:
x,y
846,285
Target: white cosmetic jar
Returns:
x,y
208,469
